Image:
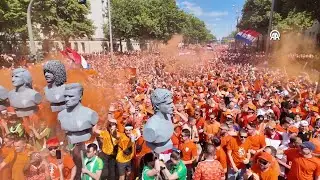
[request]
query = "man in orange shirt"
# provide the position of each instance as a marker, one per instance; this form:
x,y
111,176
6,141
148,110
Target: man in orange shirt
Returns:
x,y
220,154
188,151
238,154
258,141
61,167
200,121
7,154
304,165
211,127
20,160
264,168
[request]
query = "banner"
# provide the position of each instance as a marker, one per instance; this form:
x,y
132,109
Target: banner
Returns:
x,y
248,36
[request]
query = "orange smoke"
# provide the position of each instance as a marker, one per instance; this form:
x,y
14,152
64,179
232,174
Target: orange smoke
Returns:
x,y
95,97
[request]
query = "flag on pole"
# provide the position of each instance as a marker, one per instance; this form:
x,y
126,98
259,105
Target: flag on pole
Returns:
x,y
248,36
75,57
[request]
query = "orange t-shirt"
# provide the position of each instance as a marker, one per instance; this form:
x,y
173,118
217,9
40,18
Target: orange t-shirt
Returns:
x,y
54,170
225,141
212,129
304,168
275,165
144,148
19,164
239,151
175,140
188,150
257,141
7,153
316,142
269,174
222,157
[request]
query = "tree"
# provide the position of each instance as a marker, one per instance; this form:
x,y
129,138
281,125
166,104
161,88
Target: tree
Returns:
x,y
310,6
296,22
232,34
13,24
195,30
256,14
71,20
59,19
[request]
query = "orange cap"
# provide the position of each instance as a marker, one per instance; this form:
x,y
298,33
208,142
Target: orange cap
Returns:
x,y
293,129
52,142
265,156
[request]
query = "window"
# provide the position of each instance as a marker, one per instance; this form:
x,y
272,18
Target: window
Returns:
x,y
83,47
76,46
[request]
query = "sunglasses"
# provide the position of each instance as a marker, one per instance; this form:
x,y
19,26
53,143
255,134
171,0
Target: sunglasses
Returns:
x,y
263,162
53,148
243,137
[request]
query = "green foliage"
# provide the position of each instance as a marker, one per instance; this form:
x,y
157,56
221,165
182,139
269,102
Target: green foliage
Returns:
x,y
296,22
195,30
60,19
145,20
289,15
255,15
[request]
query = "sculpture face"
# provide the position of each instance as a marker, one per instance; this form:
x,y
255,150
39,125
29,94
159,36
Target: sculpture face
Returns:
x,y
162,101
55,73
49,77
167,106
17,80
72,97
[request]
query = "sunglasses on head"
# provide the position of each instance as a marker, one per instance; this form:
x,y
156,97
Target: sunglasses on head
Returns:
x,y
53,148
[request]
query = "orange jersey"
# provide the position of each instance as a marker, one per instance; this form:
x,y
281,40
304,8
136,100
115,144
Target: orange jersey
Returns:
x,y
239,151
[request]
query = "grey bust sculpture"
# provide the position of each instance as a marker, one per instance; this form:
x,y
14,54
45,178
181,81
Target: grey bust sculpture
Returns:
x,y
23,98
76,119
3,98
159,128
55,74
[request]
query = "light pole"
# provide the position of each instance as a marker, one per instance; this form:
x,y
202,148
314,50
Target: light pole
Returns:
x,y
110,31
30,33
270,26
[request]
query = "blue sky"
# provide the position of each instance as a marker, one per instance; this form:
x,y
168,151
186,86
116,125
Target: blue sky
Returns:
x,y
219,15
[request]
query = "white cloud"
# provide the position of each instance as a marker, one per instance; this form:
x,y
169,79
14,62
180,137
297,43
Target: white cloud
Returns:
x,y
198,11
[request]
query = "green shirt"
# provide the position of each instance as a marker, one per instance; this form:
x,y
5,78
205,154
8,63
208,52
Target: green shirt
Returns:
x,y
144,173
181,170
93,164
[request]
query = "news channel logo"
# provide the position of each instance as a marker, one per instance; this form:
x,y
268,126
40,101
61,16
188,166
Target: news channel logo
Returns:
x,y
275,35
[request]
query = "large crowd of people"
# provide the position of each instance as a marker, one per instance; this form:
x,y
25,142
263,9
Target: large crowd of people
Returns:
x,y
232,120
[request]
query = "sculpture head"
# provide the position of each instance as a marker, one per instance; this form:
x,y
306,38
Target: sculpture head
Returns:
x,y
73,94
162,101
20,77
55,72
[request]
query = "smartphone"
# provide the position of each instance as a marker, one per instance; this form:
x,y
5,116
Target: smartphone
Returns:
x,y
58,154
